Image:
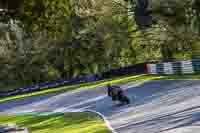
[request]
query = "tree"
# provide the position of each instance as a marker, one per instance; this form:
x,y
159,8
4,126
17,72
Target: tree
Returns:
x,y
46,17
179,19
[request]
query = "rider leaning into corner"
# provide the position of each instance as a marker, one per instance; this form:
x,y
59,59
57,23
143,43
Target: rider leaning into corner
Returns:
x,y
117,94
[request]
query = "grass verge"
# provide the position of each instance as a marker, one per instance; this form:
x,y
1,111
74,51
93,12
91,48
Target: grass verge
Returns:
x,y
58,123
91,85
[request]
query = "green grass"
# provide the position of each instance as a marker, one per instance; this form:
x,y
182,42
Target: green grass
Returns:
x,y
58,123
91,85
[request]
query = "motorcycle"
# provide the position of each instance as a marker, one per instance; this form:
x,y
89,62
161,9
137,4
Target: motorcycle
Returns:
x,y
123,98
117,94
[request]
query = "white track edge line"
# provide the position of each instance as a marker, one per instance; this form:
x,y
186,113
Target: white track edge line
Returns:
x,y
104,118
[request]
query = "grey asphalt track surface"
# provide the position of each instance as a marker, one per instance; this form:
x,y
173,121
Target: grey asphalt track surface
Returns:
x,y
170,106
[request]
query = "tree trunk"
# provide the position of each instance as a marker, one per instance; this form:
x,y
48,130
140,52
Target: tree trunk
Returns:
x,y
166,52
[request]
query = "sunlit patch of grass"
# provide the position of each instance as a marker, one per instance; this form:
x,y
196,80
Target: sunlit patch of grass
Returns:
x,y
58,123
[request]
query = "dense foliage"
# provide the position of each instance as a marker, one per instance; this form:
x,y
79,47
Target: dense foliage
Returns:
x,y
67,38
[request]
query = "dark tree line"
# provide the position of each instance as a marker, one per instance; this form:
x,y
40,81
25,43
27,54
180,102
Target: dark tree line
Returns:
x,y
65,38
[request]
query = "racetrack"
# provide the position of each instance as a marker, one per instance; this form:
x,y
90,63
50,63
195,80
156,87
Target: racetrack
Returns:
x,y
168,106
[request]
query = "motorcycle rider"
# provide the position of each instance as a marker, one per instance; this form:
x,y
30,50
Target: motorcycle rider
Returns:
x,y
112,92
117,93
